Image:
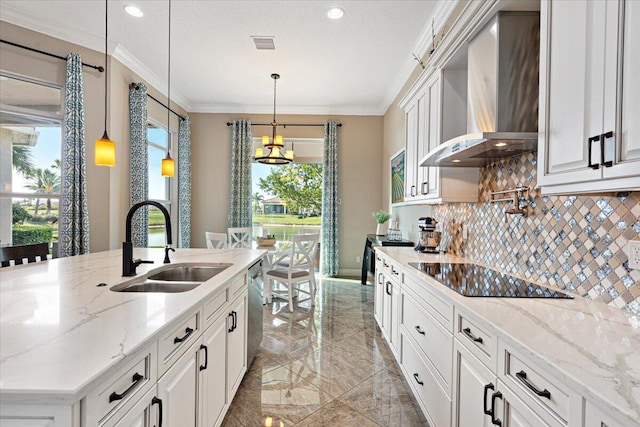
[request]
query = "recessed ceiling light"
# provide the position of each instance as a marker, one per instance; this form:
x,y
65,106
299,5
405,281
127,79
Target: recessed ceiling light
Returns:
x,y
501,144
455,161
335,13
133,11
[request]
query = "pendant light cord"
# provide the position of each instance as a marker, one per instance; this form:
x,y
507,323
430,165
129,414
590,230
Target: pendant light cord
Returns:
x,y
169,86
106,73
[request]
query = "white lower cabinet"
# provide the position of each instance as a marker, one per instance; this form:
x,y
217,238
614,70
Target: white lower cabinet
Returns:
x,y
145,413
236,344
212,387
178,390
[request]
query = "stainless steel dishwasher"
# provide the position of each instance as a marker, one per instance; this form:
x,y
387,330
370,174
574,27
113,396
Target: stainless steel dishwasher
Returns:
x,y
254,322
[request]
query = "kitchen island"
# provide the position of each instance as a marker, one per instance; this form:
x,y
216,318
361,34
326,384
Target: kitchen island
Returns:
x,y
63,331
549,361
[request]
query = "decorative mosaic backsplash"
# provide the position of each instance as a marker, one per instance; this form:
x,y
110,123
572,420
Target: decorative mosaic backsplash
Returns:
x,y
571,242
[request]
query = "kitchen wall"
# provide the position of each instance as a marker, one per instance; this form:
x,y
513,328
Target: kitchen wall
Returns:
x,y
359,154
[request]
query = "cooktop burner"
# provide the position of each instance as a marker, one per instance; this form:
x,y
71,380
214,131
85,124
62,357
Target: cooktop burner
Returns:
x,y
472,280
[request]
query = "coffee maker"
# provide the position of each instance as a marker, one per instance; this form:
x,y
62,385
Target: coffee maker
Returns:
x,y
429,238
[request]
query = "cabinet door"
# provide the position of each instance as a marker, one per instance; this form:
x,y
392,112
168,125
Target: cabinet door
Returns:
x,y
580,45
411,146
474,385
433,135
143,414
394,327
386,308
177,389
379,296
212,368
628,138
422,148
236,344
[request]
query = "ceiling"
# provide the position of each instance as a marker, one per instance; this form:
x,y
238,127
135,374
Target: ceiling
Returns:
x,y
355,65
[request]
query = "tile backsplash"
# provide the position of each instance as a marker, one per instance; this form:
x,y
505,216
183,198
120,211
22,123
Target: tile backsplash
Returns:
x,y
571,242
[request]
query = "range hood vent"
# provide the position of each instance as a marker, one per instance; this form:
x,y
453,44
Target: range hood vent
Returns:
x,y
502,94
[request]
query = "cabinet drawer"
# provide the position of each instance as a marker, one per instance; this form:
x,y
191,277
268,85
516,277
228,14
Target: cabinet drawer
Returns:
x,y
215,306
533,384
238,284
440,310
435,342
123,388
482,344
174,343
433,399
394,272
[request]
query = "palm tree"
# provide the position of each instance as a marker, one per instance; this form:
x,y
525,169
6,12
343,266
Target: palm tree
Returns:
x,y
43,181
22,159
257,199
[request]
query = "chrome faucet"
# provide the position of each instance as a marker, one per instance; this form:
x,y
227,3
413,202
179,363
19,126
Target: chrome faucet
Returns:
x,y
516,209
129,264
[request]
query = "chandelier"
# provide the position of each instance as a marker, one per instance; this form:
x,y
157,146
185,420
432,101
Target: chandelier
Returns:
x,y
273,151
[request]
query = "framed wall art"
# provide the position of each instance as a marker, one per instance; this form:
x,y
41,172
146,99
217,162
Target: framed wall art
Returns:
x,y
397,177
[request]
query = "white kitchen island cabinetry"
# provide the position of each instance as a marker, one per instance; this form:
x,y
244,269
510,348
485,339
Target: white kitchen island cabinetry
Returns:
x,y
172,351
589,103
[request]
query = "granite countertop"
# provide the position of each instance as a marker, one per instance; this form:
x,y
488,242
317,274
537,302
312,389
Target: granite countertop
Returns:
x,y
592,347
59,331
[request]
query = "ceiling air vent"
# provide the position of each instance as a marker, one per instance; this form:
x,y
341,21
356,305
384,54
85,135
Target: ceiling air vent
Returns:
x,y
264,42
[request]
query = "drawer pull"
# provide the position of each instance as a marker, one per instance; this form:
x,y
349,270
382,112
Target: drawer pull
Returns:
x,y
467,332
394,271
136,379
415,377
420,331
234,321
158,401
487,387
522,376
187,331
387,288
495,421
206,357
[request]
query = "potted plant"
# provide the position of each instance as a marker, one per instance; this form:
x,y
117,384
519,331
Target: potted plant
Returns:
x,y
381,217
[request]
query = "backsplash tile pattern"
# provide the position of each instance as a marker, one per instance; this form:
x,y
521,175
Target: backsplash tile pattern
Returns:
x,y
571,242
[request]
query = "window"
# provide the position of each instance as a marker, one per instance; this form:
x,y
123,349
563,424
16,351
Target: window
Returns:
x,y
30,160
159,186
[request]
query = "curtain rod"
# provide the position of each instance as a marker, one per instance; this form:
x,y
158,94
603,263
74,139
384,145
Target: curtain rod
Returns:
x,y
136,87
285,125
95,67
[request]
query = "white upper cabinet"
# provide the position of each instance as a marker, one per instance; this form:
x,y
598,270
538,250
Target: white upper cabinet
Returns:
x,y
425,105
589,96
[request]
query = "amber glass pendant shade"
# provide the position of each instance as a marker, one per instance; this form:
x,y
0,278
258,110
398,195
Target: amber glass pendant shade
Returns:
x,y
168,166
105,151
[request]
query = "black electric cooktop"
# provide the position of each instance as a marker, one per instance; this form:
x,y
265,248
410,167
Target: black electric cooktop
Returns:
x,y
472,280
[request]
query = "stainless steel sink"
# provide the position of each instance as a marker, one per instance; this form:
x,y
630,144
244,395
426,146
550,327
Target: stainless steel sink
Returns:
x,y
172,278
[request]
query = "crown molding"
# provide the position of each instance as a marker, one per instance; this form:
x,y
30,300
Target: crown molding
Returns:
x,y
81,38
358,110
151,78
439,16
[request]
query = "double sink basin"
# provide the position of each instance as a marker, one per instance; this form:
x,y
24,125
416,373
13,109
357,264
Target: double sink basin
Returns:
x,y
172,278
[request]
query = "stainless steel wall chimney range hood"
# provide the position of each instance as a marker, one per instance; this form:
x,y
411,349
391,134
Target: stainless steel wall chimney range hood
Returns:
x,y
502,94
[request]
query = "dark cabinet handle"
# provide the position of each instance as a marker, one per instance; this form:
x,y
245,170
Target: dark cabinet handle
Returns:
x,y
206,357
467,332
590,142
387,288
420,331
415,377
187,331
603,140
158,401
487,387
385,264
422,188
495,421
522,376
379,278
412,188
136,379
394,271
231,328
234,321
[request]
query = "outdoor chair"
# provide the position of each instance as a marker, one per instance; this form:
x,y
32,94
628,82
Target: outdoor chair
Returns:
x,y
16,255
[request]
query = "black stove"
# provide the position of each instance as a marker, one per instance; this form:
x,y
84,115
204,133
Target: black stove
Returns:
x,y
473,280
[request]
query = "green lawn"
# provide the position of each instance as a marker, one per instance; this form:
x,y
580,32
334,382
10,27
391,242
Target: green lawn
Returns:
x,y
286,220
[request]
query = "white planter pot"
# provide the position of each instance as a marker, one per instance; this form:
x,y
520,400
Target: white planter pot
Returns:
x,y
380,230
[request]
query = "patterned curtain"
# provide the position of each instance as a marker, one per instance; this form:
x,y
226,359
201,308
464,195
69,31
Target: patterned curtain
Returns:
x,y
330,259
139,161
73,232
184,182
240,191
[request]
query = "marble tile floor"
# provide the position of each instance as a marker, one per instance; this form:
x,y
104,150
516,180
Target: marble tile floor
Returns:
x,y
324,365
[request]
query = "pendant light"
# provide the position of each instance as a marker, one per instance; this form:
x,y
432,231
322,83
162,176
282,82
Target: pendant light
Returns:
x,y
277,154
105,148
168,164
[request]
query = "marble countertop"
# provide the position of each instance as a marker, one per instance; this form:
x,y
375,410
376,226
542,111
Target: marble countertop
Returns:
x,y
59,331
592,347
